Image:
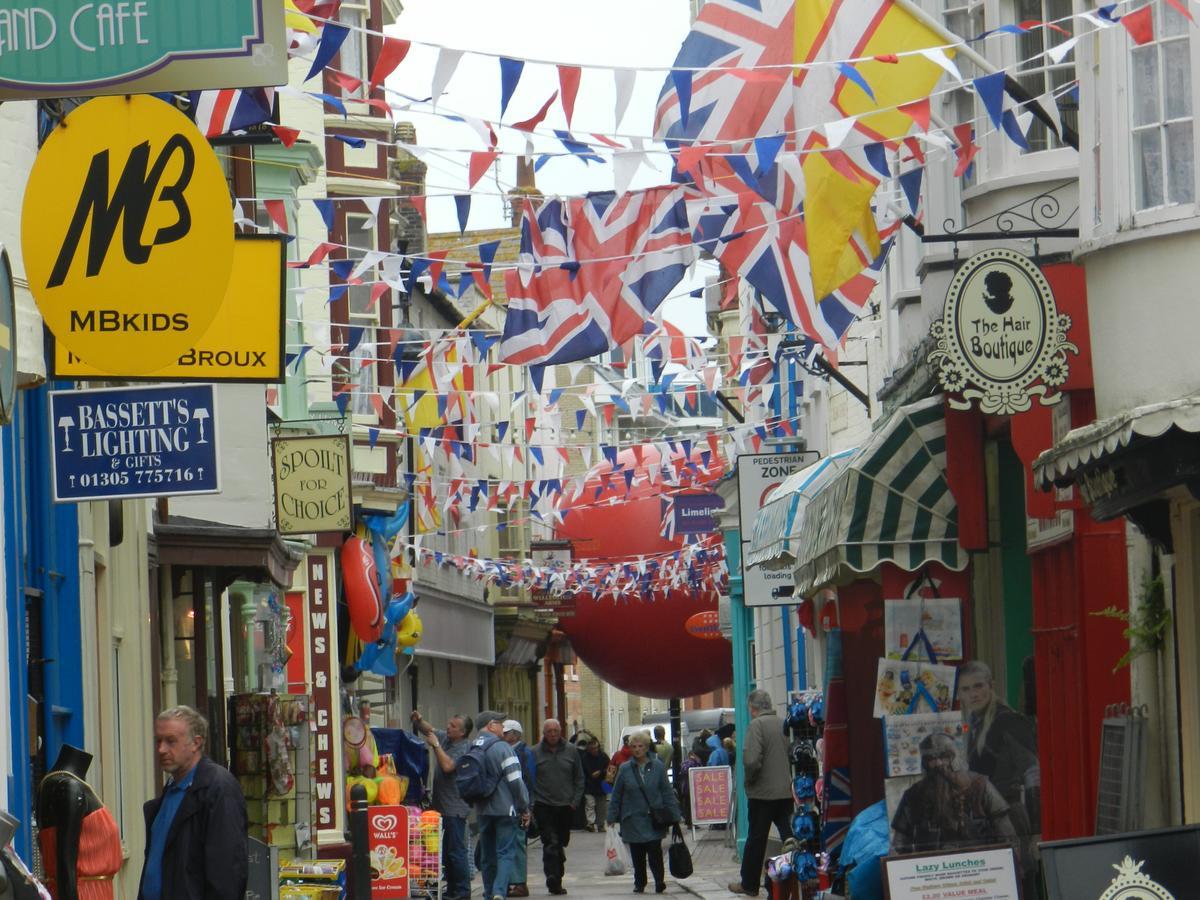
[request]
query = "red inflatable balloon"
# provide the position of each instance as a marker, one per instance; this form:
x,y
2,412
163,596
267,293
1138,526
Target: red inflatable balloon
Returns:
x,y
640,644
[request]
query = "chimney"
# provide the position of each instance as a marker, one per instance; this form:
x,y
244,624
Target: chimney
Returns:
x,y
526,189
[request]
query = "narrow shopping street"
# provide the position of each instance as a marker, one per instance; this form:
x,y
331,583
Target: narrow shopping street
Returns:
x,y
423,420
714,861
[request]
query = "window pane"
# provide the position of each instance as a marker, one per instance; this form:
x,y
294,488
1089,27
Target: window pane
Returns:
x,y
1181,165
1145,85
1177,79
352,56
1168,22
362,377
1148,168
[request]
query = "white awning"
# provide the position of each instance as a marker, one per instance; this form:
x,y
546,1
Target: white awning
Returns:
x,y
1104,437
777,525
891,503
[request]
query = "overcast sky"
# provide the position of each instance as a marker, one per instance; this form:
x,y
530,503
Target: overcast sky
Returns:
x,y
634,33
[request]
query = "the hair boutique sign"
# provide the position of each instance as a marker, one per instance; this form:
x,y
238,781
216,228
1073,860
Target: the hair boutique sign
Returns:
x,y
1001,339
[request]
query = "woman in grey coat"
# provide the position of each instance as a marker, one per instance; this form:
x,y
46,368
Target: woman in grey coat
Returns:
x,y
641,784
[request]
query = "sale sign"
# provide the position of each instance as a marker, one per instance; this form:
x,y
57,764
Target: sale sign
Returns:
x,y
387,830
709,791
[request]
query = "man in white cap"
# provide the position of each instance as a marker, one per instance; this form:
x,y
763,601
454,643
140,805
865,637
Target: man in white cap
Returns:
x,y
514,734
502,813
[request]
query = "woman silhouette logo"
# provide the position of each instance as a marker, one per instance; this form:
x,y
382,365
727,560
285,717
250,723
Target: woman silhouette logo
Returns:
x,y
997,292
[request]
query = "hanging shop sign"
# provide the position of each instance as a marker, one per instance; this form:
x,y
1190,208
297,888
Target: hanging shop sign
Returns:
x,y
243,344
126,234
320,646
1001,340
758,475
387,837
71,48
312,484
8,339
551,599
126,442
697,513
710,789
985,874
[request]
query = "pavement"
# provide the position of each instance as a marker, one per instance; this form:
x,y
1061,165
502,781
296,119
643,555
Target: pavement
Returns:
x,y
713,861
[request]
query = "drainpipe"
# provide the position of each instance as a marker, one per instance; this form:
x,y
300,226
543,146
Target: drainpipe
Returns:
x,y
742,622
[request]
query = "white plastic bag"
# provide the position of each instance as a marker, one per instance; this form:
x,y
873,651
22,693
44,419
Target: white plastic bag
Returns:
x,y
616,854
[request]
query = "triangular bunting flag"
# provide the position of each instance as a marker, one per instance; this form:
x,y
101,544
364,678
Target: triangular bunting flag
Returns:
x,y
510,77
332,37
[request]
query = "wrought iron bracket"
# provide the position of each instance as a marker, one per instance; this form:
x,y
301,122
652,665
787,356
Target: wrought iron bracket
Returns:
x,y
1039,217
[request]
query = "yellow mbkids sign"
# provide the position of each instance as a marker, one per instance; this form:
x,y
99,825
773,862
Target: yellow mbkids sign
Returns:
x,y
127,232
312,484
245,343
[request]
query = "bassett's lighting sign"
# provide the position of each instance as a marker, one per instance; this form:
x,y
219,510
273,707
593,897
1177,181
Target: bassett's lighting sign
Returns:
x,y
1001,340
312,484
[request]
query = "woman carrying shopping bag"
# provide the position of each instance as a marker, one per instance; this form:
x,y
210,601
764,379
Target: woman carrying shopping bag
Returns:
x,y
645,806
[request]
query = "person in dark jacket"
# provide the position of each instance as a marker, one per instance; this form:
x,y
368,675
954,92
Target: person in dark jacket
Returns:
x,y
557,792
595,794
642,785
196,831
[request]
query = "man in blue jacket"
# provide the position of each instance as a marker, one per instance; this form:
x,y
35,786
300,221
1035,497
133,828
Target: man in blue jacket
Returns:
x,y
506,808
196,831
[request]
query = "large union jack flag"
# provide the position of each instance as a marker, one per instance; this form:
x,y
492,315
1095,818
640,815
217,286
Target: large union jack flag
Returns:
x,y
740,100
224,111
592,270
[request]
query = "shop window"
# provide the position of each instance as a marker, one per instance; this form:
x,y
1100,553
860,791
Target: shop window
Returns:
x,y
1161,127
1038,75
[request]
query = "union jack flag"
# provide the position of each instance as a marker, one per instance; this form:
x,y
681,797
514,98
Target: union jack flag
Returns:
x,y
740,100
592,270
221,112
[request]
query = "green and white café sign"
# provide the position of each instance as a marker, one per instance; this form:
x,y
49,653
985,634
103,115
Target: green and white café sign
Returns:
x,y
1001,340
76,48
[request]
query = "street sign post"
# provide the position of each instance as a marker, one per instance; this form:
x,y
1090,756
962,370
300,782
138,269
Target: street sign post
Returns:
x,y
758,475
68,48
115,443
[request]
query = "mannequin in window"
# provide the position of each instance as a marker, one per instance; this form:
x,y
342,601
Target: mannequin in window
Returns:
x,y
80,841
16,882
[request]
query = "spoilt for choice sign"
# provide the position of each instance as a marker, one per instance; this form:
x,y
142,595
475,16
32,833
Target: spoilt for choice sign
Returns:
x,y
134,442
312,484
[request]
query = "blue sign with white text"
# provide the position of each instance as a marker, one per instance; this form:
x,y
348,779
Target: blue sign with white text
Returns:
x,y
134,442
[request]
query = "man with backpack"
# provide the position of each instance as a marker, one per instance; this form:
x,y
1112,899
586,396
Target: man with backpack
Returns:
x,y
489,776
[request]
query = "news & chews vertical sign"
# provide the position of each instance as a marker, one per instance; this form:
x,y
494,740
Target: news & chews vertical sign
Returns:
x,y
115,443
320,634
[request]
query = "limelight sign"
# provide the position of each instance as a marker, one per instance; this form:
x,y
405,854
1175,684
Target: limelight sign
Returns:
x,y
1001,340
76,48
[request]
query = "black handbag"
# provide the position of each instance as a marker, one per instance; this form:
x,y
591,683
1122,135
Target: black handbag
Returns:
x,y
679,858
661,816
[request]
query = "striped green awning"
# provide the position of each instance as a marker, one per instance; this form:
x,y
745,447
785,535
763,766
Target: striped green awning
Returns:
x,y
777,526
891,504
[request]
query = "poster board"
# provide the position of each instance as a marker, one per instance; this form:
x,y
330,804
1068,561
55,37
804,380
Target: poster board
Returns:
x,y
710,789
989,873
902,737
898,684
939,617
387,830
